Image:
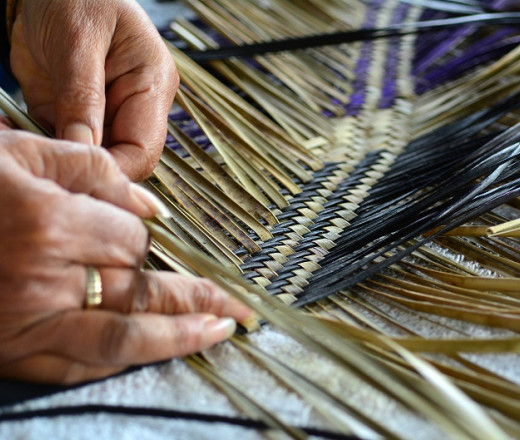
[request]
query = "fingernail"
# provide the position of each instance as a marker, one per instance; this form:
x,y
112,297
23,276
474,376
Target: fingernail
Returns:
x,y
79,133
150,201
218,330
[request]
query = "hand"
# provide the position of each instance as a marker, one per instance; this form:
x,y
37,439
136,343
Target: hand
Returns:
x,y
66,206
96,72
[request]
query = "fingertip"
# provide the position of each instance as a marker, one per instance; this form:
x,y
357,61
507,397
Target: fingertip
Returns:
x,y
78,132
240,311
217,330
151,205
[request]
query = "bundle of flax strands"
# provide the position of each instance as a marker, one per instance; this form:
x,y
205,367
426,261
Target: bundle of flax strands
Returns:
x,y
347,192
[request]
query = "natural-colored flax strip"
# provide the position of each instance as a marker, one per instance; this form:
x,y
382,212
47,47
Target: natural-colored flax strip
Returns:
x,y
509,285
240,115
172,263
430,345
509,229
259,146
474,278
490,391
219,175
433,112
459,107
472,372
491,318
310,66
202,237
484,380
433,287
240,399
312,392
282,66
468,420
446,298
208,215
18,116
191,226
197,180
251,145
435,258
297,119
439,296
489,252
248,164
506,405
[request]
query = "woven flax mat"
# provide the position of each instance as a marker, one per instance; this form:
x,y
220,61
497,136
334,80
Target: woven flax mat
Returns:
x,y
363,197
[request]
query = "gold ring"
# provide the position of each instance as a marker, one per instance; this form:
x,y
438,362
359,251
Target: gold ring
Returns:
x,y
94,290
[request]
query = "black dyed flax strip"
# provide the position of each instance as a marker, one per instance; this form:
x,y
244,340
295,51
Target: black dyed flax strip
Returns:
x,y
472,182
430,160
287,220
87,410
326,216
304,248
247,51
445,162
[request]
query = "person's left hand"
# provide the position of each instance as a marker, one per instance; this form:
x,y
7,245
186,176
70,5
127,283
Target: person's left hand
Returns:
x,y
98,73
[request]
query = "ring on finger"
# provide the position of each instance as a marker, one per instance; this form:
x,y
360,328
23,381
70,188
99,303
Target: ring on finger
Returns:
x,y
94,290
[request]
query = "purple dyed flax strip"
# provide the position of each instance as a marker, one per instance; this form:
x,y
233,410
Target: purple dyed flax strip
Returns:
x,y
388,92
422,45
440,46
357,98
482,51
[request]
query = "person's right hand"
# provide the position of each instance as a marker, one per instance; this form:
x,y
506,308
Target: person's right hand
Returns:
x,y
66,206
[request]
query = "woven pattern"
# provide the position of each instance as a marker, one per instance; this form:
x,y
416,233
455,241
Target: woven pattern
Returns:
x,y
361,158
373,185
364,109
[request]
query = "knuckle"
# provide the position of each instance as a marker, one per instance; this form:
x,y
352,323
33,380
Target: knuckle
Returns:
x,y
118,335
84,94
142,287
141,242
46,225
129,245
207,295
18,145
187,339
104,164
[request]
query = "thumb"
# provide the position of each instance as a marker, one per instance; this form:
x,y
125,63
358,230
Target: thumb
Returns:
x,y
78,81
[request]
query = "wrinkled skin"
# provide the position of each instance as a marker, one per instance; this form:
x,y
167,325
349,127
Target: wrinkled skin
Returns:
x,y
98,73
91,72
65,206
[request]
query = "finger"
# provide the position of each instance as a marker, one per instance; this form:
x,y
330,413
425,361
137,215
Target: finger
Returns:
x,y
140,94
138,104
77,74
35,85
137,112
127,290
101,234
54,369
110,339
5,123
81,169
